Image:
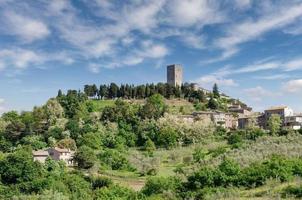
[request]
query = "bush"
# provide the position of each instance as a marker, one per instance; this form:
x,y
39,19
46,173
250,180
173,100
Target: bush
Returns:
x,y
114,160
85,157
292,191
199,155
158,185
116,192
235,140
149,147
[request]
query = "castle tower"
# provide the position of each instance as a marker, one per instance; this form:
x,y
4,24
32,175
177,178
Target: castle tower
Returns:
x,y
174,74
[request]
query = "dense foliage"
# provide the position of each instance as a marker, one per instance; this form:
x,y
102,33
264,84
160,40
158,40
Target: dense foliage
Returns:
x,y
105,138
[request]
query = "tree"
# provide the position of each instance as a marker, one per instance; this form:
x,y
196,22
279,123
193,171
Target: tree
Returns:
x,y
19,167
60,93
15,131
85,157
149,147
113,90
154,107
274,124
103,91
213,104
216,91
53,110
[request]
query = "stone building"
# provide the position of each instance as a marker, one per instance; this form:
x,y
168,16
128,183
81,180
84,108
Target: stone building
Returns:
x,y
225,120
56,153
253,120
293,122
174,75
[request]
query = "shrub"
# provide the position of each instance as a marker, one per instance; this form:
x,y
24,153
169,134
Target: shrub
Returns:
x,y
149,147
295,191
235,140
199,155
114,160
85,157
158,185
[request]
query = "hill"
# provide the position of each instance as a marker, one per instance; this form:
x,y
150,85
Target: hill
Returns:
x,y
126,148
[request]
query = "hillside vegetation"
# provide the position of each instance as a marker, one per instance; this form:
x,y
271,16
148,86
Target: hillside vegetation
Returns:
x,y
128,148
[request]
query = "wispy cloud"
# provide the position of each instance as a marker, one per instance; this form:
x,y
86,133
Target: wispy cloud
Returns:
x,y
28,29
258,93
273,77
248,30
20,59
2,108
293,86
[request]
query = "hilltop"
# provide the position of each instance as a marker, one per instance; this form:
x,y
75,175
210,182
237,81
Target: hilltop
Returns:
x,y
152,147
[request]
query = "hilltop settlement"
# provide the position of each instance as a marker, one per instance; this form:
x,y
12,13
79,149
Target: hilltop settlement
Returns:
x,y
234,114
172,140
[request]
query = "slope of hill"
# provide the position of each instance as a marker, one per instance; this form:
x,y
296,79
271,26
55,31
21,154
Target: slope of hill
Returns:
x,y
141,149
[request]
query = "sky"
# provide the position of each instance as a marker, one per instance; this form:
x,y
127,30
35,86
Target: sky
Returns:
x,y
251,48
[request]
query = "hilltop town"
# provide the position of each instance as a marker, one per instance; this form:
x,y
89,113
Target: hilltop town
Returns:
x,y
169,140
238,115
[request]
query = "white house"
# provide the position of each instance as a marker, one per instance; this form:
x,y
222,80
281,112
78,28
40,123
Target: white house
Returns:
x,y
56,153
293,122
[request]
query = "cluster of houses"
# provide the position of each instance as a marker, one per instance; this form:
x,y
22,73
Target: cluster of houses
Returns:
x,y
241,117
65,155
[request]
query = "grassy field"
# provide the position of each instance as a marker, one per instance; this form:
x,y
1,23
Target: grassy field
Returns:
x,y
174,105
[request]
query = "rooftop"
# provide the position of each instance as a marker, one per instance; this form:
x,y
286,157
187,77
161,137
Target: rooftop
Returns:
x,y
62,150
40,153
277,108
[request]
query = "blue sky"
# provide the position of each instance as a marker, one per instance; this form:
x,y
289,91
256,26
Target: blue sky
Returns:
x,y
251,48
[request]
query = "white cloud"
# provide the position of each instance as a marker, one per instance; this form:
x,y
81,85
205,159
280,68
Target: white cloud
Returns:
x,y
293,86
258,93
209,80
18,58
194,41
143,17
2,108
151,50
273,77
186,13
252,29
258,67
293,64
94,68
243,4
21,59
26,28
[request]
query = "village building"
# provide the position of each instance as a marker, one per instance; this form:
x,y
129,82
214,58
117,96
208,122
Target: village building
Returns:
x,y
254,120
56,153
243,111
293,122
282,111
225,120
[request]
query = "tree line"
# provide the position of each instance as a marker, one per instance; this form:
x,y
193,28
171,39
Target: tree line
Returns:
x,y
128,91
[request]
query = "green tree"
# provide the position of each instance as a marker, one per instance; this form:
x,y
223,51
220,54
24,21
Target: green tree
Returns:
x,y
274,124
216,91
149,147
19,167
103,91
85,157
113,90
213,104
154,107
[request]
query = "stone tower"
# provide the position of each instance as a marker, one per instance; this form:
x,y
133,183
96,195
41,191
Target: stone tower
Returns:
x,y
174,75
